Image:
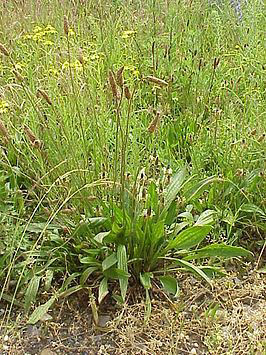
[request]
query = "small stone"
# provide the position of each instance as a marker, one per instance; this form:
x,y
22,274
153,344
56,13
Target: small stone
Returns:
x,y
103,320
5,347
5,338
193,351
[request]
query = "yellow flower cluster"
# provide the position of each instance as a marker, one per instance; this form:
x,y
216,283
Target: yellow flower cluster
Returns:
x,y
4,106
128,34
41,35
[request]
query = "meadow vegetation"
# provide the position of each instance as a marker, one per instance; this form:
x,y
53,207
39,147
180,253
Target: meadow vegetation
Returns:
x,y
132,147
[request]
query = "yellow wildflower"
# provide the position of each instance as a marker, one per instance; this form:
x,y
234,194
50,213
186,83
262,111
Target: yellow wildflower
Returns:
x,y
128,34
4,106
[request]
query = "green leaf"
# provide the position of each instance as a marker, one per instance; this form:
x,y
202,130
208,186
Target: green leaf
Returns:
x,y
31,292
250,208
189,238
190,267
145,279
147,307
219,250
90,260
70,278
40,311
100,236
70,291
206,218
157,231
115,273
173,189
170,284
86,274
103,290
109,261
48,279
97,221
197,190
212,271
122,264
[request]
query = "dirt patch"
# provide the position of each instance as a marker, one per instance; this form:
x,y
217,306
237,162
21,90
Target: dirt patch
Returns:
x,y
229,319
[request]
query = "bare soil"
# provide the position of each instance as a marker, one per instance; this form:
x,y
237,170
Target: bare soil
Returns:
x,y
228,319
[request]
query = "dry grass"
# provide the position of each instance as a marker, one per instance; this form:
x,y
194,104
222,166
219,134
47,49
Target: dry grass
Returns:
x,y
231,319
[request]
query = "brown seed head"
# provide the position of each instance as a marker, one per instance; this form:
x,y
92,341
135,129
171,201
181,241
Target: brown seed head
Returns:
x,y
80,56
32,138
113,85
41,93
119,77
66,26
127,93
4,50
155,123
3,130
261,138
18,76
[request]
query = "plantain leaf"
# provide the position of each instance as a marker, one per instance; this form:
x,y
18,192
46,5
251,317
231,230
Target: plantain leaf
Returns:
x,y
170,284
145,279
48,279
250,208
103,290
173,189
100,236
206,218
197,190
190,267
122,264
31,292
86,274
71,290
219,250
109,261
189,238
40,311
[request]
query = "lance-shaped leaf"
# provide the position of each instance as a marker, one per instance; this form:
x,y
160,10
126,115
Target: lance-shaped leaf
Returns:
x,y
219,250
174,188
189,238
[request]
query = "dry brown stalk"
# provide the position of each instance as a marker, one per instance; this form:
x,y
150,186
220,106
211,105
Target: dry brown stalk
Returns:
x,y
157,81
66,26
119,77
155,123
4,50
42,93
113,85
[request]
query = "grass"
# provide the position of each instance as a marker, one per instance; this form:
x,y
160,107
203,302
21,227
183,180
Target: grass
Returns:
x,y
100,106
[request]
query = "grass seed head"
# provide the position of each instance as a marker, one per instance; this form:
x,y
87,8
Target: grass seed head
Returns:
x,y
4,131
155,123
42,93
4,50
66,26
119,77
80,57
127,93
18,76
113,85
36,143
